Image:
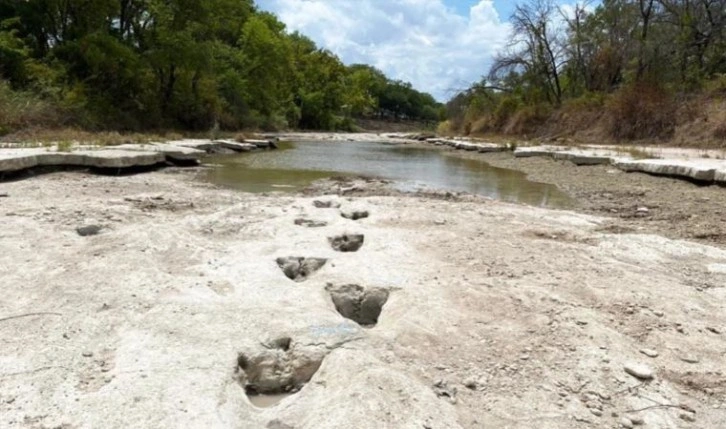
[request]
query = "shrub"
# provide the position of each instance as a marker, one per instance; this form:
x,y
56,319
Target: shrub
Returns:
x,y
527,119
482,125
588,101
444,128
345,124
642,110
21,109
505,110
275,122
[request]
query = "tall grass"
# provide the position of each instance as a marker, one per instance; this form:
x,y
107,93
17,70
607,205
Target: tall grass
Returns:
x,y
21,109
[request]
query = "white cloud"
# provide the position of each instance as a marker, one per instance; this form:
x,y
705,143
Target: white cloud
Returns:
x,y
420,41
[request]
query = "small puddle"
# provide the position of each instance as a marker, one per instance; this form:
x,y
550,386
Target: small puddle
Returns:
x,y
296,165
267,401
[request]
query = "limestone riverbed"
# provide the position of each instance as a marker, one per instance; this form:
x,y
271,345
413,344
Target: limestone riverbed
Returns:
x,y
448,311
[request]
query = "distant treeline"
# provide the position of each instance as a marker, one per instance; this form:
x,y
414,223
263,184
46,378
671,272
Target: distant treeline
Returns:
x,y
635,61
186,64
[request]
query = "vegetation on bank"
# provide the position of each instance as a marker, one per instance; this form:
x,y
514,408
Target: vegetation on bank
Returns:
x,y
130,65
624,70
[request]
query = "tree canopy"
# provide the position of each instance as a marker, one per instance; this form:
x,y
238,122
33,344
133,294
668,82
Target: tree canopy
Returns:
x,y
189,64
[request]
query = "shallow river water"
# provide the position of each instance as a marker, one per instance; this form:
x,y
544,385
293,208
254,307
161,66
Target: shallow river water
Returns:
x,y
297,165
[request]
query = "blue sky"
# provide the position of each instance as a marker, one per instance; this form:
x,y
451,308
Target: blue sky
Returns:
x,y
440,46
462,7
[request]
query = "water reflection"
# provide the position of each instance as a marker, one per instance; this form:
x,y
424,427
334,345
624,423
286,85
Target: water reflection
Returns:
x,y
297,165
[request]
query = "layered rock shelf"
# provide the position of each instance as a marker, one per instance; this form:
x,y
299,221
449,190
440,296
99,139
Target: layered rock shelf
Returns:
x,y
468,146
682,164
698,169
126,156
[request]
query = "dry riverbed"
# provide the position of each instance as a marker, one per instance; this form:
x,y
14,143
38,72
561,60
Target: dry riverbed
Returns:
x,y
491,314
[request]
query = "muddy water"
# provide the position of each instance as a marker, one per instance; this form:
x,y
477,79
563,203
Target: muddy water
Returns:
x,y
296,165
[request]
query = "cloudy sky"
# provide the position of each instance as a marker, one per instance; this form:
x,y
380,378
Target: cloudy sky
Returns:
x,y
441,46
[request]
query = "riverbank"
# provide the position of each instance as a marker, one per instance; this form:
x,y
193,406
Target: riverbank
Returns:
x,y
497,315
632,202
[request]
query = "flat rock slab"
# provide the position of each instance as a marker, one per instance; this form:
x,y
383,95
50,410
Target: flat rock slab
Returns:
x,y
490,147
20,159
265,144
529,152
701,170
468,145
696,170
170,151
203,145
210,146
236,146
576,157
116,158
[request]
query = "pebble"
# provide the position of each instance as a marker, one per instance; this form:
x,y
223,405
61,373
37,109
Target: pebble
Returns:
x,y
637,421
639,371
643,210
87,354
86,231
689,359
688,417
596,412
471,383
649,352
659,313
626,423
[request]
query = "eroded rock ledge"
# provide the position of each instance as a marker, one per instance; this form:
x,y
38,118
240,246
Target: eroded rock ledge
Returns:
x,y
127,156
670,162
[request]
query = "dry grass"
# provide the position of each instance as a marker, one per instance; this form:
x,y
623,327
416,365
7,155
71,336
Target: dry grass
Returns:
x,y
38,137
720,131
638,153
65,146
528,119
641,111
19,109
636,115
